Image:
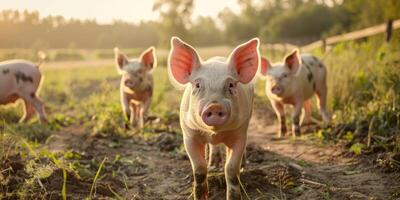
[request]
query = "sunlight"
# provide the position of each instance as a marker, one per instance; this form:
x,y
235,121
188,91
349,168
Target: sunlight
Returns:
x,y
104,11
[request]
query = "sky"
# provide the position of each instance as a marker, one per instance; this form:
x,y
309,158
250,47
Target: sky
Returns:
x,y
105,11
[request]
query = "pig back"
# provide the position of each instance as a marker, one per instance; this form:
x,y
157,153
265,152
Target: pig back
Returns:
x,y
312,74
18,75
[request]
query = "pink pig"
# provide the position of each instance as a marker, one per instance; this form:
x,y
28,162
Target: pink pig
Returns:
x,y
216,107
294,82
21,79
136,87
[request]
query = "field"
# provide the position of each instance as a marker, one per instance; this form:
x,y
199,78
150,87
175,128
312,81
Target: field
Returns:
x,y
84,152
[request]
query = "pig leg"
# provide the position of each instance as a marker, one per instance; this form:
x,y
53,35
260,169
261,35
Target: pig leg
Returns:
x,y
215,157
28,112
296,119
134,116
306,115
244,159
321,94
143,112
196,153
37,105
234,154
280,113
127,111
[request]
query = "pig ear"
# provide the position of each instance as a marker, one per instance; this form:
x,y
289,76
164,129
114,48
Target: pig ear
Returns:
x,y
120,59
183,60
245,59
265,66
148,58
293,61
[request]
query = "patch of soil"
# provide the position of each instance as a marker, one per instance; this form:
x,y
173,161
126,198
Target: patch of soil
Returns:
x,y
167,141
153,166
12,176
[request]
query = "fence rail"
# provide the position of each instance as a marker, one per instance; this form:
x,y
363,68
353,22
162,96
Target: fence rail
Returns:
x,y
386,28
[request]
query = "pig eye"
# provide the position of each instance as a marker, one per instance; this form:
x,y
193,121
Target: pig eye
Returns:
x,y
284,76
197,84
140,79
230,87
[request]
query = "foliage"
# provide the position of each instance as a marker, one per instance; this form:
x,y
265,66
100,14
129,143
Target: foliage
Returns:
x,y
315,19
204,32
175,16
364,90
295,21
367,13
27,30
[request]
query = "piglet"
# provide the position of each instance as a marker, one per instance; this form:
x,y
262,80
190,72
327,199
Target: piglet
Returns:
x,y
20,79
294,82
216,107
136,87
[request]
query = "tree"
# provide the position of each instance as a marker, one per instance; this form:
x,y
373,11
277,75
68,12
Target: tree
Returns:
x,y
238,28
175,18
301,25
204,32
366,13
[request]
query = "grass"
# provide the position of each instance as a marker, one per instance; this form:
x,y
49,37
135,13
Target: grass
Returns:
x,y
64,186
364,87
92,189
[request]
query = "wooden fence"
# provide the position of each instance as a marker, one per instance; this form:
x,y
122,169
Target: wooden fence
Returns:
x,y
386,28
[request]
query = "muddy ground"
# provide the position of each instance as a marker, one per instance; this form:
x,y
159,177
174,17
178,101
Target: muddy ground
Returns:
x,y
156,167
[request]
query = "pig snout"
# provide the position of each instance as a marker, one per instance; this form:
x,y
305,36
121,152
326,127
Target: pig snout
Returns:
x,y
215,114
277,90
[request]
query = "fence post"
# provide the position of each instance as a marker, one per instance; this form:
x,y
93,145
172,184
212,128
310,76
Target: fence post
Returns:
x,y
323,45
389,30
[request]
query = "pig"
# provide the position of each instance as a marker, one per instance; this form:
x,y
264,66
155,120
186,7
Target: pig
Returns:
x,y
215,108
21,79
294,82
136,86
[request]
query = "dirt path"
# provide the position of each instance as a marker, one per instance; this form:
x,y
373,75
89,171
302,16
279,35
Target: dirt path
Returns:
x,y
327,172
154,168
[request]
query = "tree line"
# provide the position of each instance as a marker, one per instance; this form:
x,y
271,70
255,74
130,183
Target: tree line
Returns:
x,y
293,21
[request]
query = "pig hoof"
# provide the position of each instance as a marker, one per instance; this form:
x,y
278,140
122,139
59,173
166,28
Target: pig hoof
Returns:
x,y
296,131
281,134
296,134
126,127
234,194
44,121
